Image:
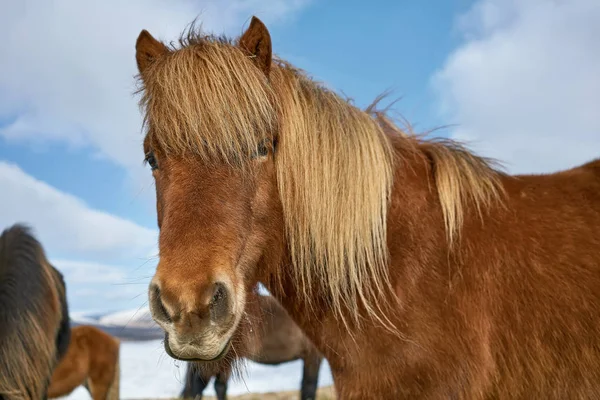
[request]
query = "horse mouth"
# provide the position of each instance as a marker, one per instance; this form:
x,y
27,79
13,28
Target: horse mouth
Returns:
x,y
217,358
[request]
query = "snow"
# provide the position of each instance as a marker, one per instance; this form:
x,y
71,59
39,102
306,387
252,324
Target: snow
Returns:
x,y
139,317
148,372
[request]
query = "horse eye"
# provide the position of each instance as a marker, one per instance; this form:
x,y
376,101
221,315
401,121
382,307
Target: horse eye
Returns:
x,y
151,160
263,149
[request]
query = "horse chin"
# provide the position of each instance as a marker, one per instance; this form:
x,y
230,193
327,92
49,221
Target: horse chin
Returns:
x,y
219,356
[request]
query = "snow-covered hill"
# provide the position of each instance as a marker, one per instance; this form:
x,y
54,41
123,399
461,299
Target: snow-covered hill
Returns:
x,y
138,318
127,325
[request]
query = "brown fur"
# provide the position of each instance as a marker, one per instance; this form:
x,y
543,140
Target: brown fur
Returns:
x,y
92,360
416,268
33,316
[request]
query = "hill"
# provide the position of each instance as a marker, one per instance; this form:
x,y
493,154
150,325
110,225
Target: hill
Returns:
x,y
127,325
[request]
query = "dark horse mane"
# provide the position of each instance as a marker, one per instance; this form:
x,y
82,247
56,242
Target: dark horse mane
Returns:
x,y
34,318
63,338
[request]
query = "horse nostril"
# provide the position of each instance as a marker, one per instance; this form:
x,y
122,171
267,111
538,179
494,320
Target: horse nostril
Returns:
x,y
219,294
219,302
158,309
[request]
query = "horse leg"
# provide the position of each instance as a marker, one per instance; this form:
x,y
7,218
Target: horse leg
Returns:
x,y
86,385
98,390
221,385
114,387
195,383
100,383
310,377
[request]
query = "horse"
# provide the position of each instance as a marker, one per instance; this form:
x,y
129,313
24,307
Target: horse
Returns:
x,y
419,269
34,316
92,360
280,341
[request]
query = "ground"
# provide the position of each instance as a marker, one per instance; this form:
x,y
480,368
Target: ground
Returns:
x,y
324,393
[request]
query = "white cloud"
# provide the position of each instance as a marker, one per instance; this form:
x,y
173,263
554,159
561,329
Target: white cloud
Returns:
x,y
66,225
68,65
89,272
104,286
524,87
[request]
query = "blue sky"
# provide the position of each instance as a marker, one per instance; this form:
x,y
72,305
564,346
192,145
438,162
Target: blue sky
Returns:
x,y
517,79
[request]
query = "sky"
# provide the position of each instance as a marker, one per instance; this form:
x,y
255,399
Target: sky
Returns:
x,y
518,80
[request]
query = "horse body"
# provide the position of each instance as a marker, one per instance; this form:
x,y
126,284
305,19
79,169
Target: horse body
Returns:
x,y
278,340
516,321
92,360
34,317
417,269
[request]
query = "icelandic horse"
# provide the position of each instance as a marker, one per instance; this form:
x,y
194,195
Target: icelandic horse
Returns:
x,y
34,316
92,360
278,340
417,268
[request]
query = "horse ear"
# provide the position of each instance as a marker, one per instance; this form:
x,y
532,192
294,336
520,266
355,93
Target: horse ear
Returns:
x,y
256,41
147,50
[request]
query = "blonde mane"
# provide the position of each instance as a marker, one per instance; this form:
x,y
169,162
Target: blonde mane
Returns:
x,y
461,177
335,162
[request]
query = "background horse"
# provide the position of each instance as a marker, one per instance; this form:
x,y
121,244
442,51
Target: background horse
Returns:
x,y
92,360
280,341
418,269
34,317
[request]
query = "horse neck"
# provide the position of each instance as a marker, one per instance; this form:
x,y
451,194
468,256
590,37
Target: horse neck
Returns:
x,y
415,230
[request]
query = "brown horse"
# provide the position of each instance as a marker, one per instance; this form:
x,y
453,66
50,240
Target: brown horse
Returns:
x,y
279,341
92,360
417,268
34,316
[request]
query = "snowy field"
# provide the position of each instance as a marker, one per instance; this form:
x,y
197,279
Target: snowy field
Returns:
x,y
147,372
